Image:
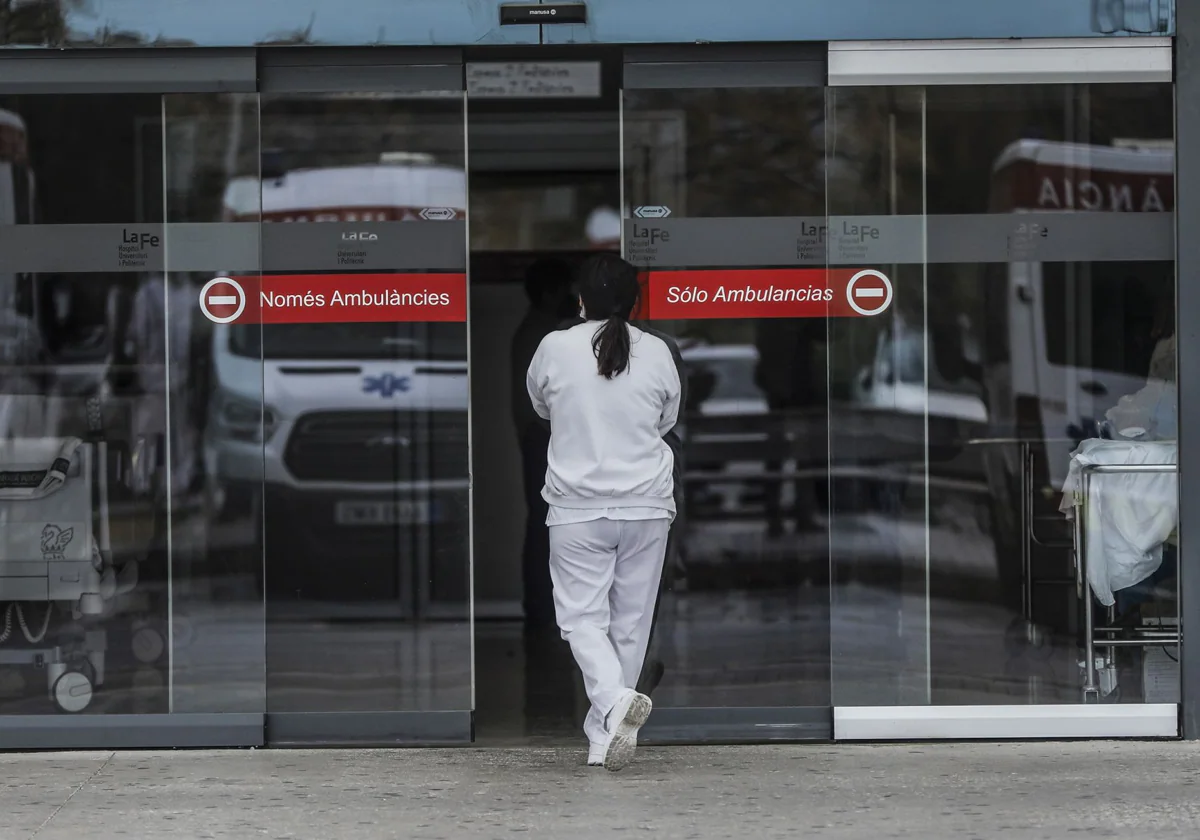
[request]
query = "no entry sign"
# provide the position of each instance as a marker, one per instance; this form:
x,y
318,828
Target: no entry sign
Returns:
x,y
869,292
222,300
765,293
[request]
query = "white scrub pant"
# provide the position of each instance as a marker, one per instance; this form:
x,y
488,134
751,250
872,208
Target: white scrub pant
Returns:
x,y
606,576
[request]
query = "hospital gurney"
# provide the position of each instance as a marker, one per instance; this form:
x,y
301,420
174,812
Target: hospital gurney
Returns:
x,y
56,567
1084,494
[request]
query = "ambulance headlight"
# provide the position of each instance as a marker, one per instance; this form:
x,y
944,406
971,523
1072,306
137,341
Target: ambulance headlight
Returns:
x,y
244,419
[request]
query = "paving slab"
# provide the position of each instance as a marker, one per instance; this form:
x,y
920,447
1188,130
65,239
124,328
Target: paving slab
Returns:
x,y
1044,791
35,787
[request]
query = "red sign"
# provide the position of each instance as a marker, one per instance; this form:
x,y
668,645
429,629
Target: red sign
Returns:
x,y
764,293
335,298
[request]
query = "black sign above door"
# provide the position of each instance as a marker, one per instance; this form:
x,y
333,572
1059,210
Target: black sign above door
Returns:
x,y
540,13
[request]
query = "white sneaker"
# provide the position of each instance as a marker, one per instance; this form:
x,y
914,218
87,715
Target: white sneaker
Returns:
x,y
624,721
595,755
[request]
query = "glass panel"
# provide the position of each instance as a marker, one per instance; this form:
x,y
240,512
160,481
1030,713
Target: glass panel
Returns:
x,y
111,595
1043,343
528,214
363,355
1075,320
214,439
883,399
725,198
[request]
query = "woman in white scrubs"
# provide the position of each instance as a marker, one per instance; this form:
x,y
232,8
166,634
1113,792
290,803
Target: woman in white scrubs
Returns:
x,y
610,392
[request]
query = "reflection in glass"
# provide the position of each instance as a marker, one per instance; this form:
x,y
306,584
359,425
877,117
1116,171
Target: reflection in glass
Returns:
x,y
927,454
1041,347
216,621
104,369
366,469
1066,333
744,618
884,409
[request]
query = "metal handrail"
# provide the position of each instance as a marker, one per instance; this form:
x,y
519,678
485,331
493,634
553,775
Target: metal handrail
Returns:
x,y
1129,468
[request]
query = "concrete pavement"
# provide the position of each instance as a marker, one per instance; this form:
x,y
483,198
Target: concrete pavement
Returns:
x,y
960,791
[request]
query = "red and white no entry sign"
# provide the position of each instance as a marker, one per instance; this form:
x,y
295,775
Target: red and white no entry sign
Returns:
x,y
869,292
222,300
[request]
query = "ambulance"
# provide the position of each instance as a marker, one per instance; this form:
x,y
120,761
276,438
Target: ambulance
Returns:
x,y
1065,340
353,436
1064,357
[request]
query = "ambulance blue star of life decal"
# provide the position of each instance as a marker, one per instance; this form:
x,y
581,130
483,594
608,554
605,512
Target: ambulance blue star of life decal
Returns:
x,y
386,385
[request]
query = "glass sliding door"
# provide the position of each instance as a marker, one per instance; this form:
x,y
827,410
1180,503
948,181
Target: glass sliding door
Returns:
x,y
928,325
883,453
216,636
362,337
724,196
128,617
1022,383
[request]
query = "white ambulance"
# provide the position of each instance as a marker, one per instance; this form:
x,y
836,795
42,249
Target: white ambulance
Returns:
x,y
355,436
1073,328
1064,341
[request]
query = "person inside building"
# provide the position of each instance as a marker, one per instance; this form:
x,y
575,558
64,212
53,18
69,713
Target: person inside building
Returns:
x,y
1151,413
548,288
610,392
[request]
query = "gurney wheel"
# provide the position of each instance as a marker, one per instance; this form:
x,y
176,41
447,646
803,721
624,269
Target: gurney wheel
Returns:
x,y
72,692
81,664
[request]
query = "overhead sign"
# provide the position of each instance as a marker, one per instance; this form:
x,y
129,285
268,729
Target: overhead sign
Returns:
x,y
513,14
533,79
764,293
335,298
653,211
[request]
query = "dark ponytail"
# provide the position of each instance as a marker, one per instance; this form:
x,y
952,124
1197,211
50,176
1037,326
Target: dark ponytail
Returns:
x,y
611,344
609,292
